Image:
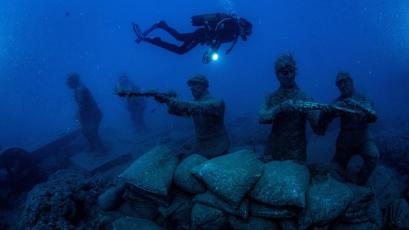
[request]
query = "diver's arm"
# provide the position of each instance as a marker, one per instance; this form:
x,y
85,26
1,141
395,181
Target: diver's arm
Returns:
x,y
215,45
232,45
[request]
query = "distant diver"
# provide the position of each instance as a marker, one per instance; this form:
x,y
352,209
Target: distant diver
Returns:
x,y
213,30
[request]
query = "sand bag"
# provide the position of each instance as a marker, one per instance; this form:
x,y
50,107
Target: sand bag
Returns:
x,y
131,223
231,176
363,206
289,224
153,171
284,183
397,215
204,217
139,206
327,199
360,226
252,223
112,198
179,212
267,211
184,178
212,200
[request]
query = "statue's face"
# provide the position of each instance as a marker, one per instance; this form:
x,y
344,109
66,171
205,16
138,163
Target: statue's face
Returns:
x,y
286,77
72,82
346,88
197,90
123,80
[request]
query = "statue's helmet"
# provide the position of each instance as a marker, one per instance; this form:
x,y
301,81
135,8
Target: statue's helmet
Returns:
x,y
285,62
73,79
198,79
342,76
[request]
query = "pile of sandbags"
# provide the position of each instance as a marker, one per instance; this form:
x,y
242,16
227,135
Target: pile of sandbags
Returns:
x,y
233,191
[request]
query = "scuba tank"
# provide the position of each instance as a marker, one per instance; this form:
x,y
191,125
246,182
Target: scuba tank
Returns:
x,y
208,19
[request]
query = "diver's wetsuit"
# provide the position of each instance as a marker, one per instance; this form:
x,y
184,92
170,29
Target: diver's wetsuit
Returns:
x,y
212,35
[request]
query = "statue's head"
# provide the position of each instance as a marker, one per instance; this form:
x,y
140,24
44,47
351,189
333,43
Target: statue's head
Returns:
x,y
198,85
345,84
286,70
73,80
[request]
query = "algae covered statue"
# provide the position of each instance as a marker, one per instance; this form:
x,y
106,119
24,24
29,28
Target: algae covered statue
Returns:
x,y
89,114
135,105
213,30
354,137
207,113
287,140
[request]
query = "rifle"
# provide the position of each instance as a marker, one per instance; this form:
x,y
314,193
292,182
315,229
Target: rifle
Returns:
x,y
305,106
148,93
358,111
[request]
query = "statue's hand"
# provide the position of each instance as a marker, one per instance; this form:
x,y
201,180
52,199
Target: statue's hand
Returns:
x,y
163,99
398,213
329,110
288,106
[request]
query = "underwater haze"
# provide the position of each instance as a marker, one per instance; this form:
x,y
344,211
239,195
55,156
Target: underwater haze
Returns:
x,y
42,41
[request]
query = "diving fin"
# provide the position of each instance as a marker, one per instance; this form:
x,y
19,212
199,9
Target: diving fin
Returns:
x,y
138,33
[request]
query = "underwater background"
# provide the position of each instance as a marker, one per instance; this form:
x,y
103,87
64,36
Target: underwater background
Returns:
x,y
51,178
42,41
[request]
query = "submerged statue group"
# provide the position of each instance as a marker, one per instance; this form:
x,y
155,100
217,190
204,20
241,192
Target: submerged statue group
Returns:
x,y
287,110
210,186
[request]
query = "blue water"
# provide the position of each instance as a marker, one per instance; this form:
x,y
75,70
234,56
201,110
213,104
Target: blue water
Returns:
x,y
42,41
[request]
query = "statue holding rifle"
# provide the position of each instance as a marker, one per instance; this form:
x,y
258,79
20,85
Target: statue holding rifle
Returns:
x,y
206,111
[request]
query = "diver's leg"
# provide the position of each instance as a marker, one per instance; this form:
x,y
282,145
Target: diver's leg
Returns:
x,y
185,47
184,37
152,28
138,32
173,32
141,36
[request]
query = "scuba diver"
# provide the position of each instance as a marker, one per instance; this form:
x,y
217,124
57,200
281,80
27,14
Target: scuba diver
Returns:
x,y
213,30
